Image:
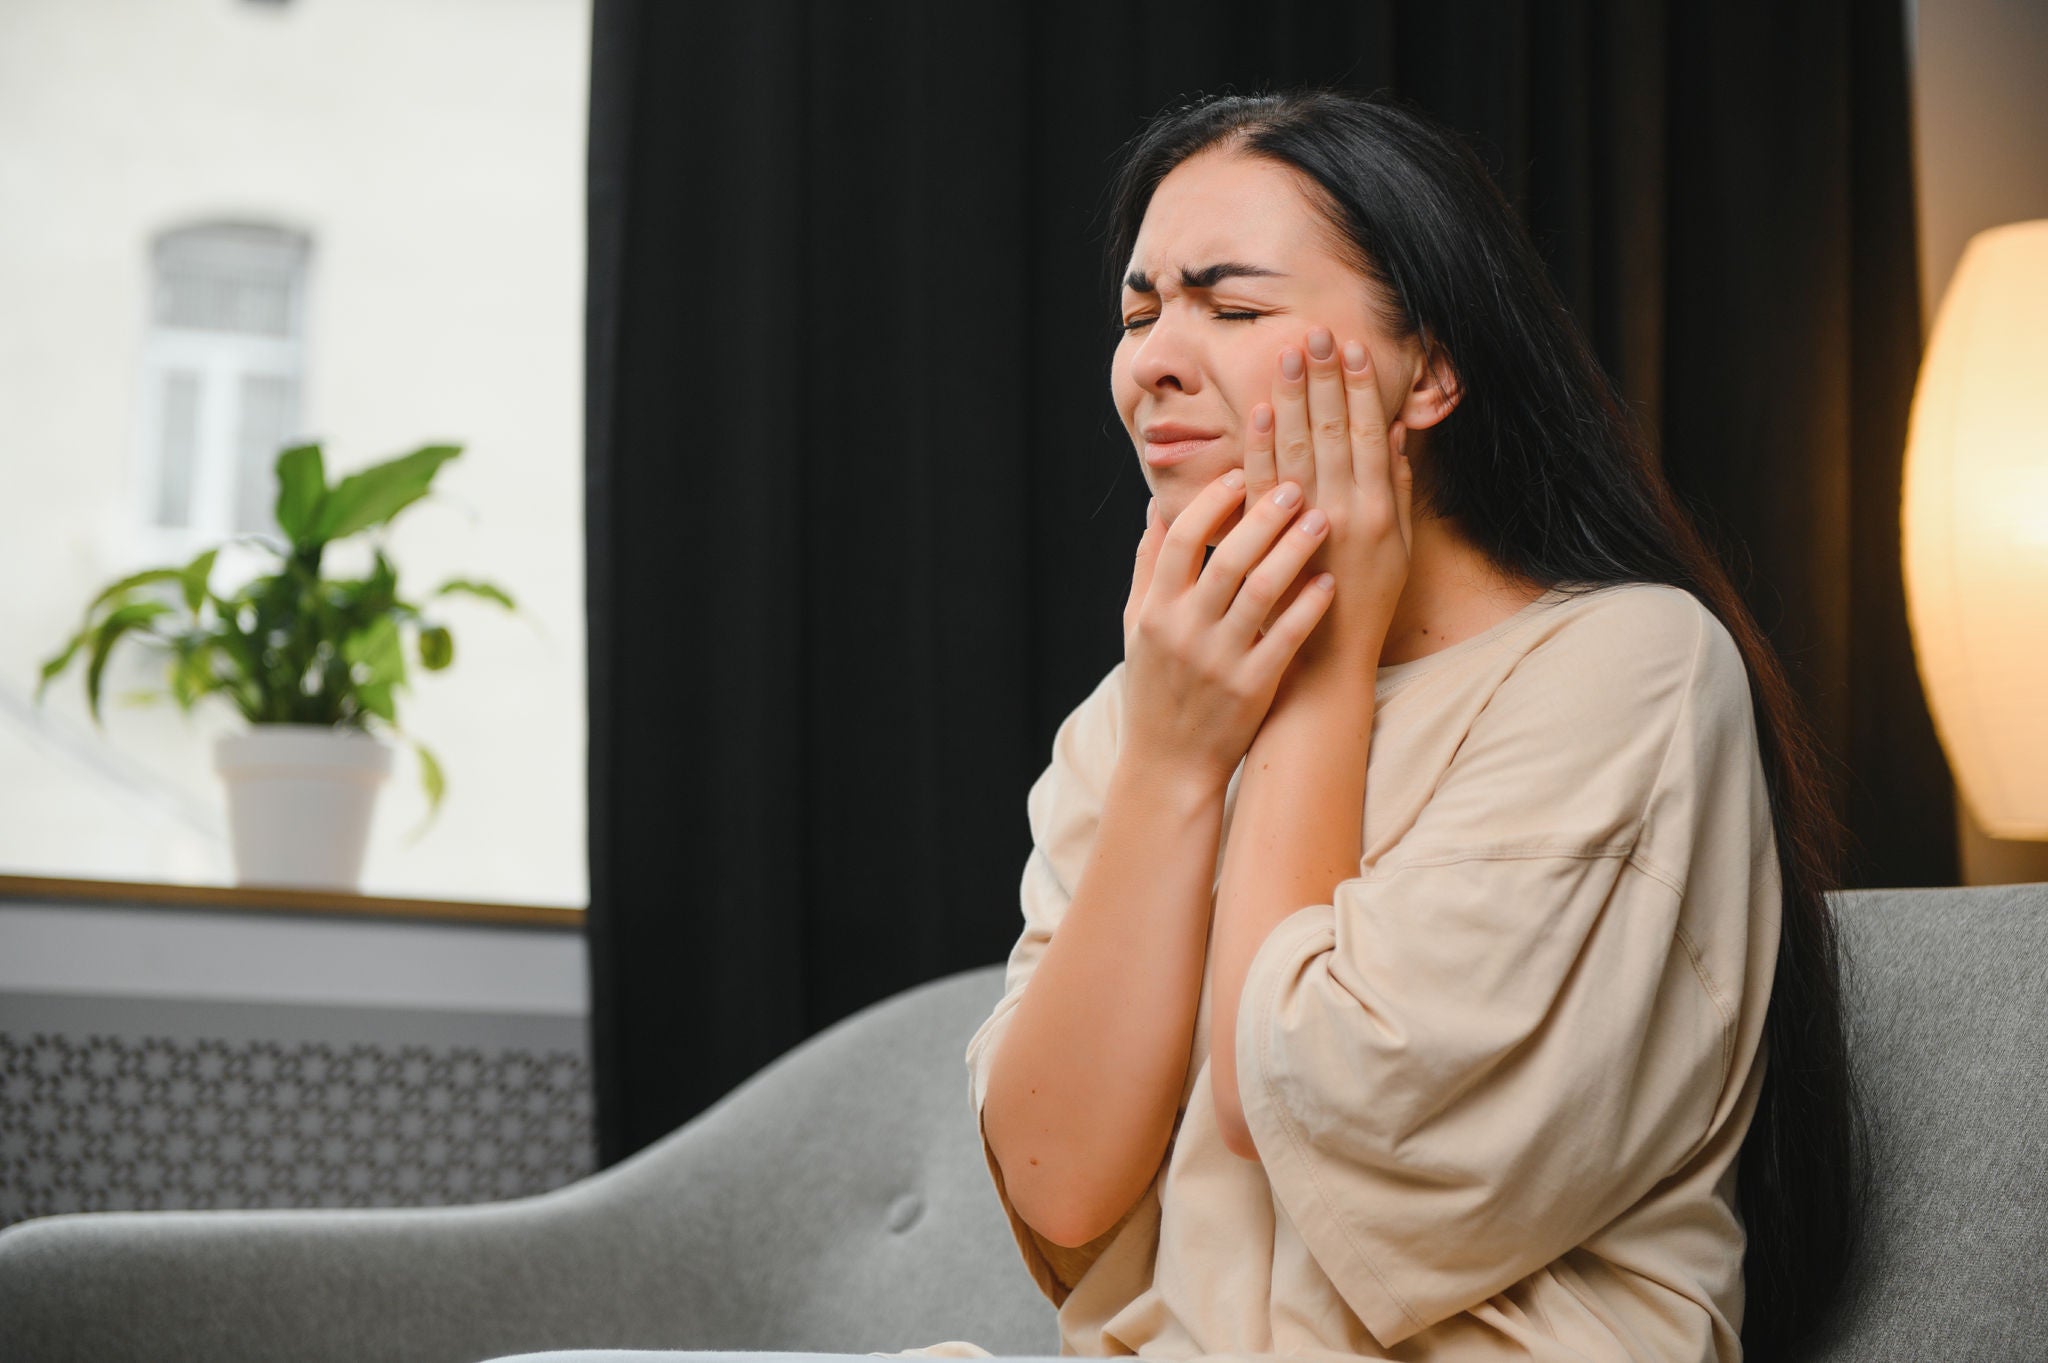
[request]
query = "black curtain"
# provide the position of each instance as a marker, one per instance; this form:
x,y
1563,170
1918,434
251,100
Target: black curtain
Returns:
x,y
860,513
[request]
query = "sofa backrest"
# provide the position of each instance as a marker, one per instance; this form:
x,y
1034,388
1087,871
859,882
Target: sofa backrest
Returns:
x,y
855,1170
1948,1033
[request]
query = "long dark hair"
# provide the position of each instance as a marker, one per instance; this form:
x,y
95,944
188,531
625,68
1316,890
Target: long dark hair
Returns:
x,y
1545,469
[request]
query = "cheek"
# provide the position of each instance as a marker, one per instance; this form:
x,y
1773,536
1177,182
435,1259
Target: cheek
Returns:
x,y
1245,373
1123,392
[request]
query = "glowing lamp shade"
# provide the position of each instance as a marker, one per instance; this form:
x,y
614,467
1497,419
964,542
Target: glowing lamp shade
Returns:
x,y
1975,523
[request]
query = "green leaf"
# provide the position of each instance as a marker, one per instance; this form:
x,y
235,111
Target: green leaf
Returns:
x,y
437,648
375,697
129,583
376,647
436,785
192,672
140,698
301,483
431,776
63,660
131,616
230,639
242,680
483,589
189,676
376,494
194,577
380,589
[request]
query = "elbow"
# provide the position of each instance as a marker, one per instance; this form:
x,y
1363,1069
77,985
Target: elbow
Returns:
x,y
1067,1234
1041,1205
1048,1222
1065,1227
1071,1217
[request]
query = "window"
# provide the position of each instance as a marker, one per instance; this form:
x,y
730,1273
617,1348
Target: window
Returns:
x,y
234,227
220,375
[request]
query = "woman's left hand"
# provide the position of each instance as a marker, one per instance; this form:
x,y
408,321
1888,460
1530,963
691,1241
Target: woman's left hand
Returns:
x,y
1327,432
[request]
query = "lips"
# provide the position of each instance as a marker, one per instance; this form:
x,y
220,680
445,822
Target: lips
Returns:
x,y
1170,432
1169,442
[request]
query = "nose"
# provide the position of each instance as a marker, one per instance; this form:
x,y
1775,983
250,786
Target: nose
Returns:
x,y
1166,355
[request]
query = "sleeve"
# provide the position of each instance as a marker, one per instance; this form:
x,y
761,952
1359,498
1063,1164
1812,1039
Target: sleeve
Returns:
x,y
1497,1038
1065,808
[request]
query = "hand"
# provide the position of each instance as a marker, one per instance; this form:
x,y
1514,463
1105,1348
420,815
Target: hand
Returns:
x,y
1327,431
1199,678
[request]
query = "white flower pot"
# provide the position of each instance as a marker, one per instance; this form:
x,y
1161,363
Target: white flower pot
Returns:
x,y
300,798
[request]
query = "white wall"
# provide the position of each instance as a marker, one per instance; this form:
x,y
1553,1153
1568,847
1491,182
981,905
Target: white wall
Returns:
x,y
434,149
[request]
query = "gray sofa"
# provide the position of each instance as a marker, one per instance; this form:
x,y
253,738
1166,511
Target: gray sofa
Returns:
x,y
837,1203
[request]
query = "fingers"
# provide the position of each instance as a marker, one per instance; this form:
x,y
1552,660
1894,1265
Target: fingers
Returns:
x,y
1260,477
1366,457
1183,543
1257,562
1272,653
1329,418
1240,551
1148,554
1294,454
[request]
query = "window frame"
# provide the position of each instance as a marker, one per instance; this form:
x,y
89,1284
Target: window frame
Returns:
x,y
221,358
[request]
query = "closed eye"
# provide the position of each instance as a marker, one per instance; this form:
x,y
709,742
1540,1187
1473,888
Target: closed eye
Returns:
x,y
1134,323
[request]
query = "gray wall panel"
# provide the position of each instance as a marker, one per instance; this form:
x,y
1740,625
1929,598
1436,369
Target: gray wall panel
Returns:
x,y
127,1102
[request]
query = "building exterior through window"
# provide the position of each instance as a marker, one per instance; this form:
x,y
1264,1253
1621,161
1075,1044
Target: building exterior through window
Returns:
x,y
222,373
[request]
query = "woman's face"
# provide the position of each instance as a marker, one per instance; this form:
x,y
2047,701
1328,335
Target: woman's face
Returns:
x,y
1202,354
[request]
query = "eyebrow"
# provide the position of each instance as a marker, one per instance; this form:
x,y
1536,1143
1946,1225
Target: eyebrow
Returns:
x,y
1208,277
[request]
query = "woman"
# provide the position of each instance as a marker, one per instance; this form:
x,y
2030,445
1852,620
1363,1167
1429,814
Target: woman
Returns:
x,y
1515,930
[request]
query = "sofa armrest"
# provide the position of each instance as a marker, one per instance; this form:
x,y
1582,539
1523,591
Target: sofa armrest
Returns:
x,y
398,1285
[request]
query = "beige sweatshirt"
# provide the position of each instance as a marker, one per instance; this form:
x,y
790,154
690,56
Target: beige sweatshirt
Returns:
x,y
1498,1085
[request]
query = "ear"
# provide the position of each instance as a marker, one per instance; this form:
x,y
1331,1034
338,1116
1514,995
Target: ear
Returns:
x,y
1433,392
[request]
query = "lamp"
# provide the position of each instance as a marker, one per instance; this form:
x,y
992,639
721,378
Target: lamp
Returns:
x,y
1975,528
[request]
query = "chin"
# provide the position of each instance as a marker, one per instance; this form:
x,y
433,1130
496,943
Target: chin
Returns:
x,y
1177,487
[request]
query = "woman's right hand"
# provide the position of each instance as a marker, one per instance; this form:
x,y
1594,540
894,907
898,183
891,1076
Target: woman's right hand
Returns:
x,y
1199,677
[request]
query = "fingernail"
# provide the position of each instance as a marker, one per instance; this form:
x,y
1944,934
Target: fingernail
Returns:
x,y
1234,478
1151,507
1262,418
1290,362
1320,343
1287,494
1354,356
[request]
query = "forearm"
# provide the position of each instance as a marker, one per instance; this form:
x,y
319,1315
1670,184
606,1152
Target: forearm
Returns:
x,y
1295,835
1087,1079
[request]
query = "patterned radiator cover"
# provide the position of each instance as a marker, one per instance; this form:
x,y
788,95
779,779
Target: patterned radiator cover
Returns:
x,y
134,1103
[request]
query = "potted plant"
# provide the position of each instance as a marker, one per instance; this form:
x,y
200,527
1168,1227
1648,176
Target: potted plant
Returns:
x,y
313,664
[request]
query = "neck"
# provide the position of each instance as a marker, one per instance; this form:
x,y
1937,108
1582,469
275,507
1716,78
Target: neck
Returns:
x,y
1452,593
